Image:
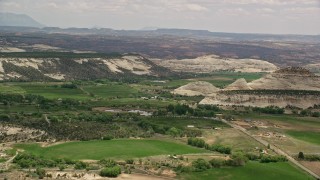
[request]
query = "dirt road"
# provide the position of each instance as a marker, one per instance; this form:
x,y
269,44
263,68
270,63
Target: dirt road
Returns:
x,y
273,147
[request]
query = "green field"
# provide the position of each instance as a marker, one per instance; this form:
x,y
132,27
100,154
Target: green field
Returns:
x,y
47,90
218,79
11,89
251,171
52,92
308,136
306,122
117,149
134,102
111,90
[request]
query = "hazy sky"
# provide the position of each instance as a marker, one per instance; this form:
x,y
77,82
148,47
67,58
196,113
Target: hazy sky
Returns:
x,y
251,16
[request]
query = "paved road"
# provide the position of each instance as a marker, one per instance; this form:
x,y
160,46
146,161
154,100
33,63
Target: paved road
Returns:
x,y
273,147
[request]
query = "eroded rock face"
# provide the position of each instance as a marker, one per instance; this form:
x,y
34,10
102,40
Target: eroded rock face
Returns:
x,y
302,101
291,78
211,63
76,68
285,87
296,71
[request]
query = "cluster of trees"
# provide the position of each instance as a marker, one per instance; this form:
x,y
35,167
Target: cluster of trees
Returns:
x,y
69,86
269,158
7,99
179,109
43,103
269,110
26,160
238,159
203,165
111,169
308,157
263,158
183,109
80,165
172,131
202,144
307,112
219,148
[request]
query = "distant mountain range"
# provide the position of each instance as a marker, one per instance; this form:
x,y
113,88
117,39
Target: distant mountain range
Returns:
x,y
11,19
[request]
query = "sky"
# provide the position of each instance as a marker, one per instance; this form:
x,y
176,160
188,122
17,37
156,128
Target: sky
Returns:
x,y
241,16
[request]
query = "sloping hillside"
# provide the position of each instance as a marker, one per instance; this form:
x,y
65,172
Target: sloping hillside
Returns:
x,y
207,64
199,88
291,78
239,84
249,98
71,66
292,86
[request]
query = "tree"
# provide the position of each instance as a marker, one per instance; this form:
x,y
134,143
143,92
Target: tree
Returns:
x,y
170,108
174,132
304,112
301,155
216,163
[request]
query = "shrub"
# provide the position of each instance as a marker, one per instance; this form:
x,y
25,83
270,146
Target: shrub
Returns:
x,y
200,165
174,132
181,168
110,171
217,163
277,158
41,173
315,114
69,86
312,157
304,112
129,161
221,149
108,162
80,165
252,156
237,160
196,142
61,167
107,137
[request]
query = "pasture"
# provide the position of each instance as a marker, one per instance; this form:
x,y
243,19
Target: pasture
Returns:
x,y
251,171
308,136
111,90
115,149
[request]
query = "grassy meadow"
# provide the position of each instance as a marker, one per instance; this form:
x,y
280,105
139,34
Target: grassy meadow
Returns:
x,y
308,136
115,149
251,171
